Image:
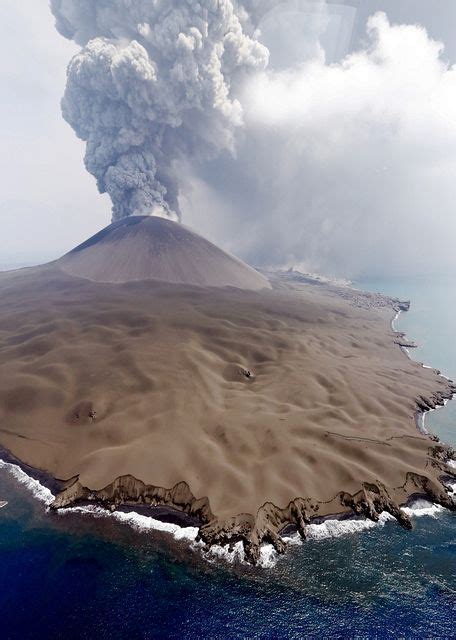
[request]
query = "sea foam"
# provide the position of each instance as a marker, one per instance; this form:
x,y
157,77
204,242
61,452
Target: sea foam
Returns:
x,y
36,488
422,507
137,521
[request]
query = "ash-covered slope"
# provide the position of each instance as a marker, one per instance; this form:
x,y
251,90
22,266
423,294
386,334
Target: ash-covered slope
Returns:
x,y
148,247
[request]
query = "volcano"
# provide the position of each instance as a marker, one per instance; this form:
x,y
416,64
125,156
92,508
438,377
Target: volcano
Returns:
x,y
148,247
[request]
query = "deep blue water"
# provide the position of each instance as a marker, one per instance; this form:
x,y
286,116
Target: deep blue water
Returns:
x,y
77,577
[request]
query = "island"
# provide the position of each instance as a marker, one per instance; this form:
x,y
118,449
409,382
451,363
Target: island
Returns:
x,y
149,368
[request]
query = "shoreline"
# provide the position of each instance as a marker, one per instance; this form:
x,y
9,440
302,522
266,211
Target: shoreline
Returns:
x,y
319,528
449,481
420,416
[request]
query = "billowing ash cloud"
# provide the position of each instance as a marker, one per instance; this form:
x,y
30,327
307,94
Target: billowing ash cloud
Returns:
x,y
154,82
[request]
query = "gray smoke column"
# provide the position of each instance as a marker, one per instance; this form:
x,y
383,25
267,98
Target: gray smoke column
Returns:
x,y
154,82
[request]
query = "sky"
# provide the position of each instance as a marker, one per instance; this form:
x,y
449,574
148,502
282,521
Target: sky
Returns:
x,y
344,163
48,201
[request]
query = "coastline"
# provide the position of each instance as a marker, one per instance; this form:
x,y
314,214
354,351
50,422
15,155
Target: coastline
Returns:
x,y
420,415
270,528
448,480
333,526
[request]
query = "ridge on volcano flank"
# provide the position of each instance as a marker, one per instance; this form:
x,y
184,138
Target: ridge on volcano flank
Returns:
x,y
148,247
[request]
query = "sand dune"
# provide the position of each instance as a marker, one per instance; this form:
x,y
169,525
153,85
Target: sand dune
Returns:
x,y
146,247
279,404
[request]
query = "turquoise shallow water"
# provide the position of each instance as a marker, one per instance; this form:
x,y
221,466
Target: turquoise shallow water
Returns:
x,y
431,322
79,577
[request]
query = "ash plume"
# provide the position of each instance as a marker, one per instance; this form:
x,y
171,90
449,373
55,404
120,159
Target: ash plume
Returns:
x,y
154,82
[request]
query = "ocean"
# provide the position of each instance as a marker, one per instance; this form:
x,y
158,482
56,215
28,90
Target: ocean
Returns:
x,y
72,576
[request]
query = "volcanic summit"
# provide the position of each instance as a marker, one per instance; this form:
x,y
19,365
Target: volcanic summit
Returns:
x,y
149,247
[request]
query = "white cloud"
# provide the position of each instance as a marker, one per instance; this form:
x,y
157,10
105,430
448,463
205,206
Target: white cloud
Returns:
x,y
345,168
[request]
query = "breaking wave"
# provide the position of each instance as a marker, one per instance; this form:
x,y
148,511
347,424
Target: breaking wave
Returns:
x,y
330,528
36,488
